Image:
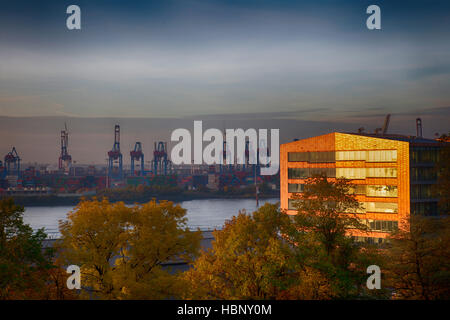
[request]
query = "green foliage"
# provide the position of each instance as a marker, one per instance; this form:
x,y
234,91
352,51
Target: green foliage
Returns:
x,y
22,258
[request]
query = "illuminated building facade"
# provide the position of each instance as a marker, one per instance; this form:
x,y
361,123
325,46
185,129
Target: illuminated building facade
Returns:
x,y
393,175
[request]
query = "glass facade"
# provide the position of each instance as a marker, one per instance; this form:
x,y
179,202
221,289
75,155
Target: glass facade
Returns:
x,y
382,172
423,174
312,157
295,187
333,156
422,192
367,190
381,191
291,204
370,240
374,207
347,173
424,155
380,207
369,156
351,173
363,173
382,156
424,208
304,173
381,225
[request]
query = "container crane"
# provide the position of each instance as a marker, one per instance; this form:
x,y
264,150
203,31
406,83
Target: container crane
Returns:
x,y
137,154
65,160
115,169
12,163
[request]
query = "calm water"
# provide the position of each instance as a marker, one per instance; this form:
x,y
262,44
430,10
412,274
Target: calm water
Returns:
x,y
205,213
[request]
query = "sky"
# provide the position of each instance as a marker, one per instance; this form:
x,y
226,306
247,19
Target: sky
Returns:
x,y
312,62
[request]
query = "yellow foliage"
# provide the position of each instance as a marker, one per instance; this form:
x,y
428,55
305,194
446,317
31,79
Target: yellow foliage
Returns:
x,y
121,250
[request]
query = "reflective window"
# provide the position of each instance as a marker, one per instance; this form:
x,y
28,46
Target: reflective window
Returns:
x,y
298,173
424,208
381,172
424,155
350,155
312,157
295,187
382,156
422,191
381,207
370,240
369,156
351,173
298,156
291,204
357,189
423,174
303,173
381,225
381,191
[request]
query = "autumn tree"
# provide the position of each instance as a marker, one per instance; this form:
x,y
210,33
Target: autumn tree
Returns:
x,y
326,212
248,259
121,250
419,259
24,263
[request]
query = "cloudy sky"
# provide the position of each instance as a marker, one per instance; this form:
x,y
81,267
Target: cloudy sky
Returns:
x,y
271,59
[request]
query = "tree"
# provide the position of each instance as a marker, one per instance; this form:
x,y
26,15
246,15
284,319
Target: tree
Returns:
x,y
248,259
24,263
419,258
120,250
326,212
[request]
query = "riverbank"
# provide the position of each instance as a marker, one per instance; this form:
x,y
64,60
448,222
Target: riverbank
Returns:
x,y
73,200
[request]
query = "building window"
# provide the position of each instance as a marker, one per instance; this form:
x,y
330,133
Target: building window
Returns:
x,y
422,192
381,225
351,173
295,187
298,157
304,173
369,156
424,155
350,155
291,204
381,191
357,189
370,240
380,207
382,156
424,208
312,157
423,174
381,172
298,173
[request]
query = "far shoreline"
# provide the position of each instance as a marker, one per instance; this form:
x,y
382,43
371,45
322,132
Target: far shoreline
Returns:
x,y
58,200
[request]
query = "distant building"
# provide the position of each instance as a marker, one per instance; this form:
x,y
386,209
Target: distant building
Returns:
x,y
393,175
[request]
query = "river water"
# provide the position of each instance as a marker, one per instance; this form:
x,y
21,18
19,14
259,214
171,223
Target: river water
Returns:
x,y
203,214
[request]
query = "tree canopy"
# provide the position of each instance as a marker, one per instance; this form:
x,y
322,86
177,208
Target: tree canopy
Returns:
x,y
24,264
121,250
